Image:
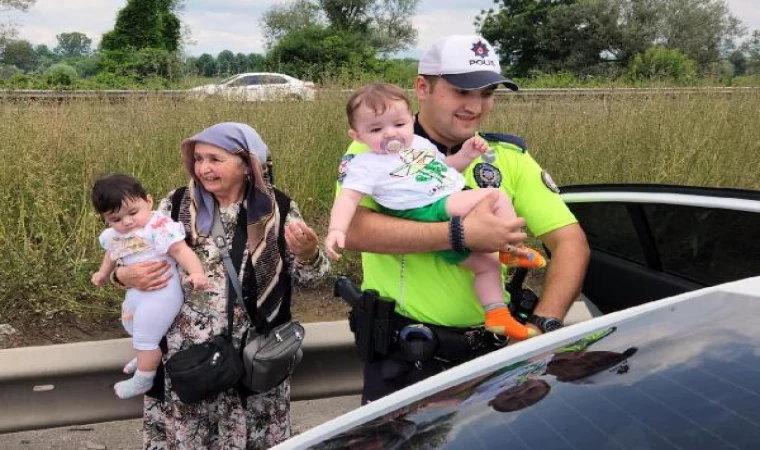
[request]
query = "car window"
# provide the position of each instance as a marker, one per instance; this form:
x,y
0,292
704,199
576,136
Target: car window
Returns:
x,y
609,228
707,245
254,80
274,79
242,81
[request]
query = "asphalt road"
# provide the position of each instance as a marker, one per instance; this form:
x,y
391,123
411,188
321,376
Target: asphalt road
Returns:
x,y
125,435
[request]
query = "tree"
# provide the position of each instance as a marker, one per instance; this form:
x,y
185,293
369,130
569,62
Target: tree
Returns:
x,y
582,37
698,28
256,62
392,30
46,56
225,62
21,5
73,45
384,24
572,34
21,54
145,40
241,63
143,24
206,65
316,52
751,48
7,30
280,20
739,62
515,30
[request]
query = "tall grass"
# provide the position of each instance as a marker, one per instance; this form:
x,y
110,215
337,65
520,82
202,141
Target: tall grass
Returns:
x,y
51,153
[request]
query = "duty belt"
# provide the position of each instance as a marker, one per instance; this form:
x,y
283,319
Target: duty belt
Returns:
x,y
421,341
380,331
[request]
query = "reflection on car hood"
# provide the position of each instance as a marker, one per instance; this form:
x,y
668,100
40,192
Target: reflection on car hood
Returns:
x,y
677,373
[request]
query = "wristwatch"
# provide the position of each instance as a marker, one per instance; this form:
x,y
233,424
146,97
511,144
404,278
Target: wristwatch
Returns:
x,y
545,324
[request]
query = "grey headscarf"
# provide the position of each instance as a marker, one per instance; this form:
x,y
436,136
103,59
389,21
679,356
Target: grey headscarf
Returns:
x,y
236,138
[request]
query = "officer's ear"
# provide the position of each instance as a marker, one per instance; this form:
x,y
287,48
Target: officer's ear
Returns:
x,y
422,87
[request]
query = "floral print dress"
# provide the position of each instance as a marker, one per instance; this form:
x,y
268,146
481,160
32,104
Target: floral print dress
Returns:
x,y
222,422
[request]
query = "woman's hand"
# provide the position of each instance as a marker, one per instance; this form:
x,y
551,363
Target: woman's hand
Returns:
x,y
144,276
302,242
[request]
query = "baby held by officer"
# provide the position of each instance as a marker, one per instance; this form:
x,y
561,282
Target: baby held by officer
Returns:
x,y
409,177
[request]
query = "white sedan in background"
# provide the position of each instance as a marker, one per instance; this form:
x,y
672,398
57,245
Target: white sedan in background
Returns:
x,y
260,86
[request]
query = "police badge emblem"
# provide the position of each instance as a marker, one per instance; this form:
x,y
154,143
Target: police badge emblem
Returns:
x,y
343,167
549,182
486,175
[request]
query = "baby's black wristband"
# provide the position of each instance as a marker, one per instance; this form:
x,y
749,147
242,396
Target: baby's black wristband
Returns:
x,y
456,234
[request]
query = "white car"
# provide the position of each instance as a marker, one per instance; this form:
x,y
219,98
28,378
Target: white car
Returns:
x,y
260,86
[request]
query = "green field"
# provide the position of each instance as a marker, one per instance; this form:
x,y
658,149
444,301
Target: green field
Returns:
x,y
52,151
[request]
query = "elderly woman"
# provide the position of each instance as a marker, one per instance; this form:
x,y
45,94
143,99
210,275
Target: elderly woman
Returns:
x,y
272,247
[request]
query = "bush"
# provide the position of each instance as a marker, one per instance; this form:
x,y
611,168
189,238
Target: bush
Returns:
x,y
746,81
61,75
8,71
141,64
660,63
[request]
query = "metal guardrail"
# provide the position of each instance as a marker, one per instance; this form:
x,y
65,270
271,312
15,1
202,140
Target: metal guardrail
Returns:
x,y
72,384
20,94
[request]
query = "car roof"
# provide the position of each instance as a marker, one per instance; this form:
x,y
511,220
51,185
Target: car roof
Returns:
x,y
262,73
676,373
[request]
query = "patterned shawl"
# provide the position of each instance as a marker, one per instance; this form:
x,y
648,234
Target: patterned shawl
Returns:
x,y
263,217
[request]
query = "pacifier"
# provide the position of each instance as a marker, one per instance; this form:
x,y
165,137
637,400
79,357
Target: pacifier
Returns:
x,y
392,145
489,157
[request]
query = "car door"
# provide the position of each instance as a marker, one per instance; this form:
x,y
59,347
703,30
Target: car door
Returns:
x,y
238,88
278,87
653,241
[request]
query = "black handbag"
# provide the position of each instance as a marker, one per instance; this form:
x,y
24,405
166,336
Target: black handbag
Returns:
x,y
268,357
203,370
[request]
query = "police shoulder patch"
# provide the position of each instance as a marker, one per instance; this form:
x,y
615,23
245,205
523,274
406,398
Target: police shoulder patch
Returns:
x,y
507,138
486,175
549,182
343,166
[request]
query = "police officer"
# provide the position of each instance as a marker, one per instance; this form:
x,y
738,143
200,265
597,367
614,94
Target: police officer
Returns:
x,y
455,91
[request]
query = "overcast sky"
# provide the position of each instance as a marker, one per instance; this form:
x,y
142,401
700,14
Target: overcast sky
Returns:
x,y
217,25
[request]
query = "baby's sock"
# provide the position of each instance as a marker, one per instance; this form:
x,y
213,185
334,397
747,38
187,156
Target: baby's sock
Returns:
x,y
130,367
500,321
139,384
532,260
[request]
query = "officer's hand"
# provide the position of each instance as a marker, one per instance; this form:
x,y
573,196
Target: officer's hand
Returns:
x,y
533,327
484,232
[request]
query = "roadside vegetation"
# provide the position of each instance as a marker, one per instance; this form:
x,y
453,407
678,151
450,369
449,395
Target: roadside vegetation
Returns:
x,y
52,150
51,153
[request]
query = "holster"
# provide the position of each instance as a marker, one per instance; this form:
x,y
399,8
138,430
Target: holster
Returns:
x,y
369,319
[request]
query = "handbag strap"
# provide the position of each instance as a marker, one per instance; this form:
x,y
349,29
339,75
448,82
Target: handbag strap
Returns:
x,y
220,239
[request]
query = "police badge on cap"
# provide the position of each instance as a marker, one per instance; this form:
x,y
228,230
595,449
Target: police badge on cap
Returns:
x,y
549,182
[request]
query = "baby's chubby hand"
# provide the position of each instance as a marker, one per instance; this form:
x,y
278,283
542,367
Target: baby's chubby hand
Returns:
x,y
99,278
199,281
474,147
336,239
